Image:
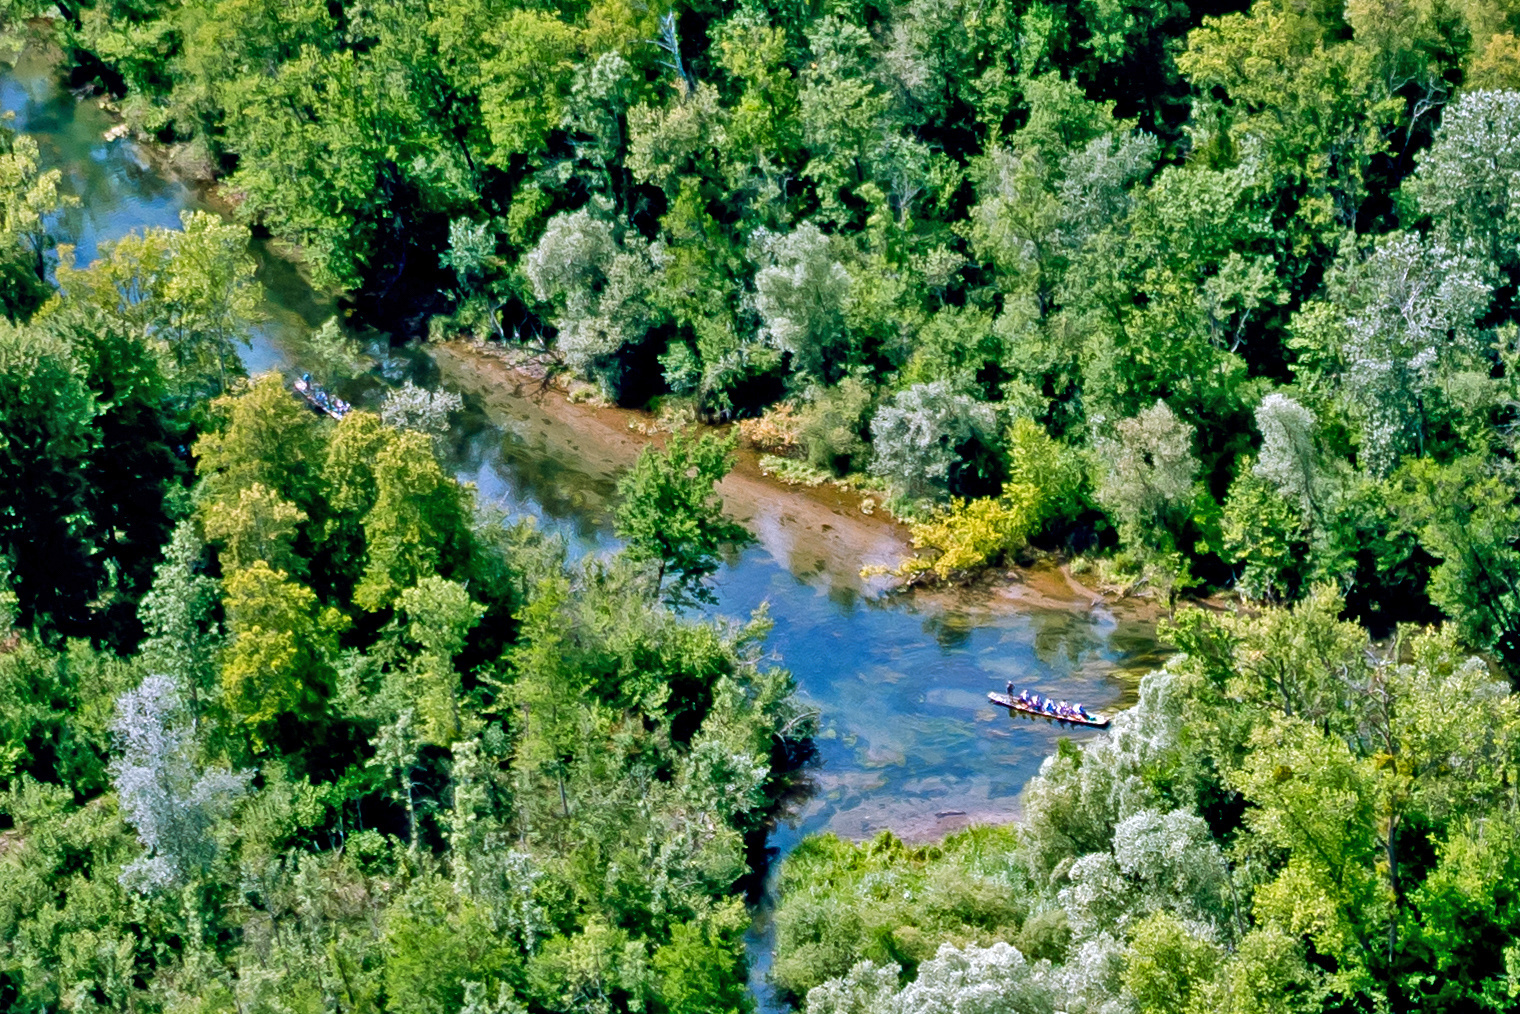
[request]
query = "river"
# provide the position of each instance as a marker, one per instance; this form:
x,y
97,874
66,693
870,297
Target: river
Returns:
x,y
908,741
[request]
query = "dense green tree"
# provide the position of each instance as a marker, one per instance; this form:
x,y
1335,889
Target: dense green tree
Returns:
x,y
672,518
1465,514
191,291
28,197
47,412
183,635
418,525
268,439
439,615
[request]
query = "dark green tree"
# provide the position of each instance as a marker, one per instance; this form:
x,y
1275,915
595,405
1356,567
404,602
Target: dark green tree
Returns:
x,y
672,518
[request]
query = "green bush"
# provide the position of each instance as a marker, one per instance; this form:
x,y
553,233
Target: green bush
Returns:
x,y
888,902
833,426
1056,471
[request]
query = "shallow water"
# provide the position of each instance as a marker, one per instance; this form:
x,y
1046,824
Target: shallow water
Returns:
x,y
908,740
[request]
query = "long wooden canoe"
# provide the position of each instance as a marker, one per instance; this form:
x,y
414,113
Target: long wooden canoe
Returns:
x,y
333,406
1014,704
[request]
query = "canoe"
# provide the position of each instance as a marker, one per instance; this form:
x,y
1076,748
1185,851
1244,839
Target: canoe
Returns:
x,y
335,407
1014,704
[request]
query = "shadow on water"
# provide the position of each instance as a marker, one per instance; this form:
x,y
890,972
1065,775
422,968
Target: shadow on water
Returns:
x,y
907,739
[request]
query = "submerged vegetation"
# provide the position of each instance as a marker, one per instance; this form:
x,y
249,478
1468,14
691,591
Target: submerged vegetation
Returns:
x,y
1215,297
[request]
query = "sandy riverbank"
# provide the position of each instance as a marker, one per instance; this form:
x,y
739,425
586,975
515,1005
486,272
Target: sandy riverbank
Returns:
x,y
818,531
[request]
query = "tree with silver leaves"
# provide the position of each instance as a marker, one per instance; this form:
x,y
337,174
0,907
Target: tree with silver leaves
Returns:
x,y
410,407
1469,180
596,276
1148,484
1288,459
1414,327
801,291
1399,324
172,805
920,435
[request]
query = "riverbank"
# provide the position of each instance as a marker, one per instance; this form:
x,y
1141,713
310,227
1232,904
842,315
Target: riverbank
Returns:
x,y
823,530
809,529
924,754
907,739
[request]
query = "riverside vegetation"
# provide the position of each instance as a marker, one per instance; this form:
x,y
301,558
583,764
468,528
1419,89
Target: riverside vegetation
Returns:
x,y
1290,820
288,722
1219,292
1220,295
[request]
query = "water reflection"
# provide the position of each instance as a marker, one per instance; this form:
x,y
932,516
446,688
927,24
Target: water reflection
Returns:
x,y
908,740
116,189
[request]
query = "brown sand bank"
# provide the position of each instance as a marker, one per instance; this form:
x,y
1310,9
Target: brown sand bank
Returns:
x,y
818,531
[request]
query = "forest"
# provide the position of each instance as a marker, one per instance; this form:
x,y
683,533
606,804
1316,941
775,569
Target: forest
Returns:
x,y
292,723
1215,302
1214,298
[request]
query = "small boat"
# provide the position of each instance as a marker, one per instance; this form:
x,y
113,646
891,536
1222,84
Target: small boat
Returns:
x,y
1014,704
322,401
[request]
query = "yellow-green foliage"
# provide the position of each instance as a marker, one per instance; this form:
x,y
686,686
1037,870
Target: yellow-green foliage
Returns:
x,y
1045,480
280,639
440,615
257,525
418,520
971,534
1055,471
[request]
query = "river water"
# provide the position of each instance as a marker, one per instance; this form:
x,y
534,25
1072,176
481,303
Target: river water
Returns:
x,y
908,740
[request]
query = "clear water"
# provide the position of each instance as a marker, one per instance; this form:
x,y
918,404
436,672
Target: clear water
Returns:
x,y
908,740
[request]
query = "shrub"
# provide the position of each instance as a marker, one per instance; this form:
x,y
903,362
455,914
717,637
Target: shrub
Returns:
x,y
1046,484
1147,484
1056,472
891,903
832,426
794,472
924,438
1266,535
971,534
775,431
